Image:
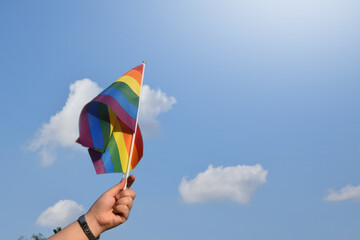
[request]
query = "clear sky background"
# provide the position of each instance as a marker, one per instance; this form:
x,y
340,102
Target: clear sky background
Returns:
x,y
267,92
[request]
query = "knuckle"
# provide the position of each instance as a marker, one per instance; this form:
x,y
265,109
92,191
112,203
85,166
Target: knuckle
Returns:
x,y
133,194
121,209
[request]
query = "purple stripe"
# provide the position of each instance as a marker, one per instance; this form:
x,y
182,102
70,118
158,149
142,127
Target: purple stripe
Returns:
x,y
85,138
97,161
118,110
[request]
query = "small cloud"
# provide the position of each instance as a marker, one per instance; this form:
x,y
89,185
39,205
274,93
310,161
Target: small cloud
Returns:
x,y
61,214
346,193
152,103
238,183
62,129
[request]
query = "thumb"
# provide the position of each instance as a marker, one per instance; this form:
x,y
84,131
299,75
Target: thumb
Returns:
x,y
117,188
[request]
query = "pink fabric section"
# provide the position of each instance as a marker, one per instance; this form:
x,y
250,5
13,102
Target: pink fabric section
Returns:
x,y
85,138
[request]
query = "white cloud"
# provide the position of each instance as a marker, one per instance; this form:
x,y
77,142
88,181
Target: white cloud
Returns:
x,y
347,192
238,183
62,128
61,214
152,103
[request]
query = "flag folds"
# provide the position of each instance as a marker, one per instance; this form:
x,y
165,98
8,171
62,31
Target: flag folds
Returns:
x,y
108,122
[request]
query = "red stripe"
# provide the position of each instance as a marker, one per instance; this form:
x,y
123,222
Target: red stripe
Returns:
x,y
139,68
139,142
138,148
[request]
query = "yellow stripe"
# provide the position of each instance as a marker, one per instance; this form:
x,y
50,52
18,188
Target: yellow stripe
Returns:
x,y
116,130
112,118
120,142
131,82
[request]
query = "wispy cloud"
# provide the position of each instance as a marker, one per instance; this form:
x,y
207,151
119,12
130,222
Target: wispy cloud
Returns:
x,y
346,193
152,103
237,183
61,214
62,129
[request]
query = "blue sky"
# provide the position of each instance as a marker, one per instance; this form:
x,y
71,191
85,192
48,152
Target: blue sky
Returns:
x,y
274,83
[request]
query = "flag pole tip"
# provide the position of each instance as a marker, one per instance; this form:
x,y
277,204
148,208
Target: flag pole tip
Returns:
x,y
144,62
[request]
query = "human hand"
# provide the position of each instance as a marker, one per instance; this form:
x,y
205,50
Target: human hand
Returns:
x,y
112,208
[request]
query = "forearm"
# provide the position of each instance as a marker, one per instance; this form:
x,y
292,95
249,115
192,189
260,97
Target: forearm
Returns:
x,y
109,210
75,232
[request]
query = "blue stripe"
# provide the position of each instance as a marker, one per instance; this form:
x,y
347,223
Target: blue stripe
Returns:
x,y
107,161
95,127
122,100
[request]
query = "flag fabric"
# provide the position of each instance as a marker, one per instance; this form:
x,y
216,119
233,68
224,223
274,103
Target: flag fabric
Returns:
x,y
108,122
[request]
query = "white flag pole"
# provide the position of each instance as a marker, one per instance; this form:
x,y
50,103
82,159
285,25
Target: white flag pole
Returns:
x,y
134,134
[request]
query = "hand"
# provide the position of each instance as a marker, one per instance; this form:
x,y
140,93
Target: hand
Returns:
x,y
112,208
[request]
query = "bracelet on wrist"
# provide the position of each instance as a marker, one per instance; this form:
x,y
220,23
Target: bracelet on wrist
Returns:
x,y
86,229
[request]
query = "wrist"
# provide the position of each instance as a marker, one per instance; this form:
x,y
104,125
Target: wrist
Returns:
x,y
93,224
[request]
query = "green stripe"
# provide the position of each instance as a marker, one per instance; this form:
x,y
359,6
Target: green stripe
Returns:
x,y
114,152
127,91
104,119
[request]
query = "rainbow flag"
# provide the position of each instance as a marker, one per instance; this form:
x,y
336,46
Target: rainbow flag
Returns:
x,y
108,122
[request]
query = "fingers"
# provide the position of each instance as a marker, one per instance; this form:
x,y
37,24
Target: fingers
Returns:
x,y
123,207
126,201
130,181
126,193
122,211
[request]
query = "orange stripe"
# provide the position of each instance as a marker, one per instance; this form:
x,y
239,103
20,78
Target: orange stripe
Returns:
x,y
135,158
137,152
127,135
135,75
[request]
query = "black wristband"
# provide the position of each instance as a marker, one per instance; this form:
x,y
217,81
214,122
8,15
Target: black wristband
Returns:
x,y
86,229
